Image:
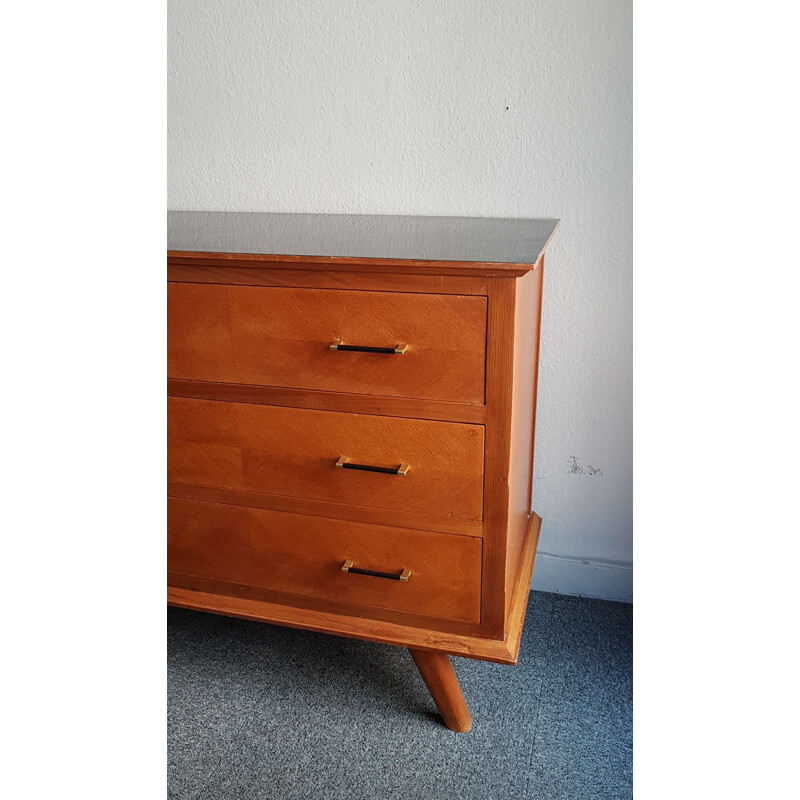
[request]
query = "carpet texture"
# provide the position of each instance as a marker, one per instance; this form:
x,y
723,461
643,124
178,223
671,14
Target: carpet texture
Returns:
x,y
259,712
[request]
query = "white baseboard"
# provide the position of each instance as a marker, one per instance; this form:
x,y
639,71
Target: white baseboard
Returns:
x,y
605,580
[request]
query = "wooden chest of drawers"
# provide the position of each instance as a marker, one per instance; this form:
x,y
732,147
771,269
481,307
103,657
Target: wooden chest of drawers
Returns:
x,y
351,416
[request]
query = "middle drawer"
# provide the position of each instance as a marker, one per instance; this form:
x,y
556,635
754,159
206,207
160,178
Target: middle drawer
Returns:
x,y
293,452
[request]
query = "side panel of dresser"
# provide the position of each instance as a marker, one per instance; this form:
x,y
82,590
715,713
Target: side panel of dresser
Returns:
x,y
514,307
523,421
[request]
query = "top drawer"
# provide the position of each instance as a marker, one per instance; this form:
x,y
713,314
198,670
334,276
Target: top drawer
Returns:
x,y
281,337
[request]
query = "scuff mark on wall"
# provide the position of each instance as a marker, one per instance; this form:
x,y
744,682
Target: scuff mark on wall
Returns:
x,y
578,469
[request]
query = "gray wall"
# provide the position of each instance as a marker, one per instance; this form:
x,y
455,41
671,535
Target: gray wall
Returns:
x,y
454,107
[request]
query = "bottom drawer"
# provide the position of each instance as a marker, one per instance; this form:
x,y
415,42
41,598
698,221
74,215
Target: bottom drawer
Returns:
x,y
304,555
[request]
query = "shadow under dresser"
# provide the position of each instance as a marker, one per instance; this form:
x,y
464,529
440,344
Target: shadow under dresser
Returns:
x,y
351,414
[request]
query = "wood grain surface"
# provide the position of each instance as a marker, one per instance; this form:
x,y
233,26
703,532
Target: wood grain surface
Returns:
x,y
269,275
304,555
329,401
324,508
293,452
303,604
281,337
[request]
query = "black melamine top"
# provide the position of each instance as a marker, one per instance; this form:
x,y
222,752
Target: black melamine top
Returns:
x,y
479,239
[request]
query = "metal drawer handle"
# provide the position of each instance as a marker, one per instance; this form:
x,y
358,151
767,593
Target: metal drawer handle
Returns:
x,y
338,344
345,463
403,576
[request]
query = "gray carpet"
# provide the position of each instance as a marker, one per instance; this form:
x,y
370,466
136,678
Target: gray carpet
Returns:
x,y
258,711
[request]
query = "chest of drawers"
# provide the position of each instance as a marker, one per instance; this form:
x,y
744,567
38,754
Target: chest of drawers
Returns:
x,y
350,420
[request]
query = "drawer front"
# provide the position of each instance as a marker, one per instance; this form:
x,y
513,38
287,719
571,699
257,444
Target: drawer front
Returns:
x,y
281,337
302,555
293,452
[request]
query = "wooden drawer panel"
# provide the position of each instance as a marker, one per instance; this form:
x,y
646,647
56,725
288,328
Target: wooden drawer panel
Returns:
x,y
303,555
281,337
293,452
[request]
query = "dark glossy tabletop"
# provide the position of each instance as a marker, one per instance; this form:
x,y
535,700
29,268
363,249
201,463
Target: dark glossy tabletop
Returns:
x,y
474,239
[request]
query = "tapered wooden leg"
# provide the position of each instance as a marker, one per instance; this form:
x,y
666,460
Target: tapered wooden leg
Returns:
x,y
437,672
